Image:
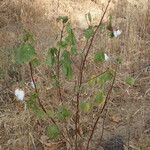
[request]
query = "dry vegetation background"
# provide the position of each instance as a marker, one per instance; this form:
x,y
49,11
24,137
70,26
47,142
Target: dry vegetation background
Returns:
x,y
129,109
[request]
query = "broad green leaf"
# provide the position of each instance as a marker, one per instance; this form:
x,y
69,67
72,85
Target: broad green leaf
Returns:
x,y
71,39
62,44
74,50
51,113
32,103
130,81
53,132
35,62
63,18
71,36
63,114
92,81
86,107
25,53
67,65
99,57
88,33
100,97
107,76
51,57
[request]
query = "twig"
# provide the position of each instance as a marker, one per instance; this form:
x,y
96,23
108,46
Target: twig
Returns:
x,y
37,93
39,101
103,124
85,46
35,88
102,110
81,76
92,39
99,74
58,67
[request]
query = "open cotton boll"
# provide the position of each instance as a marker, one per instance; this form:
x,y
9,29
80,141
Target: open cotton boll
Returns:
x,y
106,57
117,33
32,84
19,94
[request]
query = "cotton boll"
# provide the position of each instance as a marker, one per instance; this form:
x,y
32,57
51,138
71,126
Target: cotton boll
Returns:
x,y
32,84
106,57
19,94
117,33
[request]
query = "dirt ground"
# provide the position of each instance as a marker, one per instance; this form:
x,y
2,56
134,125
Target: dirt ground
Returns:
x,y
127,123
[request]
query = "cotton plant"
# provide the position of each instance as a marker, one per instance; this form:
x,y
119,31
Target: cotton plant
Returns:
x,y
59,59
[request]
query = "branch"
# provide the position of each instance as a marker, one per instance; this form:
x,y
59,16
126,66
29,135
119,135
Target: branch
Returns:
x,y
81,76
39,101
102,110
35,87
99,74
58,67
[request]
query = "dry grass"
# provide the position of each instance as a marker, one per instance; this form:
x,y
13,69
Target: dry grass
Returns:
x,y
130,105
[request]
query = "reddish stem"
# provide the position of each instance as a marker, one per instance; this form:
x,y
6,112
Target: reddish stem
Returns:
x,y
58,67
102,110
77,121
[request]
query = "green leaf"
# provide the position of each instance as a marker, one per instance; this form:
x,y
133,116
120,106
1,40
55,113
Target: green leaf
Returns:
x,y
51,57
25,53
51,113
63,18
53,132
100,97
107,76
62,44
34,106
88,33
35,62
99,57
74,50
92,81
63,114
67,65
86,107
130,81
71,36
